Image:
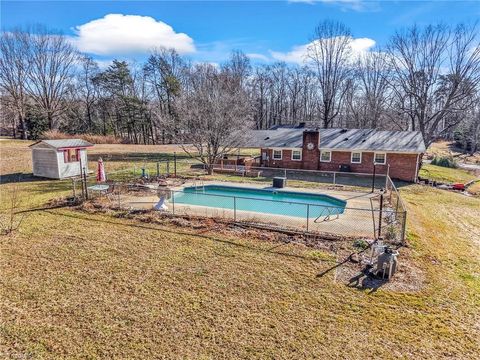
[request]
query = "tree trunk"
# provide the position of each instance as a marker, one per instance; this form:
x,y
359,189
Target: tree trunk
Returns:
x,y
24,128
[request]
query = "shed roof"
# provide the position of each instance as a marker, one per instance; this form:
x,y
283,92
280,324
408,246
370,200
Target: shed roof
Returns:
x,y
64,143
341,139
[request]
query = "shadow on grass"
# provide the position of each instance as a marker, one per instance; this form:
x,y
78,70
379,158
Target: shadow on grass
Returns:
x,y
365,281
176,232
19,178
138,156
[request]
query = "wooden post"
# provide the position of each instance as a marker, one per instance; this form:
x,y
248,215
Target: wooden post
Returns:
x,y
158,168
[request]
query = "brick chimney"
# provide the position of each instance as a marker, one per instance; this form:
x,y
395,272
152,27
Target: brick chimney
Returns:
x,y
310,151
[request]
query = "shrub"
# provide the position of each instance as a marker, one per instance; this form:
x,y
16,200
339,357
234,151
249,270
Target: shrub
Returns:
x,y
94,139
360,244
445,161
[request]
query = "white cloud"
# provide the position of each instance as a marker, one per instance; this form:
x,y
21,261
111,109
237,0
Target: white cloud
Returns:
x,y
255,56
298,54
355,5
129,34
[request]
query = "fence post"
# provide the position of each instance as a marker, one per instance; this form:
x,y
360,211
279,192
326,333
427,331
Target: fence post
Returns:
x,y
168,167
308,215
173,201
118,193
85,181
388,175
380,214
175,164
373,177
404,226
74,186
235,208
334,178
158,168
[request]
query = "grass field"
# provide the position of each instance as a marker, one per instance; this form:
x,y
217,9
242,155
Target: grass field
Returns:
x,y
444,174
89,285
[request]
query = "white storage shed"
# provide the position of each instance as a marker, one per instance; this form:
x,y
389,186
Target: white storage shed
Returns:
x,y
59,159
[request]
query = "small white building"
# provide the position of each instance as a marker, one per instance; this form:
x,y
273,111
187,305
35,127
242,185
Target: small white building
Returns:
x,y
59,159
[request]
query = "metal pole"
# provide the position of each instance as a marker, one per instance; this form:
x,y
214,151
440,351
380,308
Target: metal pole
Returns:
x,y
234,208
388,175
373,178
175,164
380,215
404,225
74,188
334,177
158,168
168,167
85,180
173,202
308,214
81,177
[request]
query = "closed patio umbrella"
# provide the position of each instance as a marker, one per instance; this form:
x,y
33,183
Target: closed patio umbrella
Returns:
x,y
101,171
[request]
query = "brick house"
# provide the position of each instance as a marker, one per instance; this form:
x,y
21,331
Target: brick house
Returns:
x,y
350,150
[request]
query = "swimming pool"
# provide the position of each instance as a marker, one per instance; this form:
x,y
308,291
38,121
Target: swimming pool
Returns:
x,y
270,201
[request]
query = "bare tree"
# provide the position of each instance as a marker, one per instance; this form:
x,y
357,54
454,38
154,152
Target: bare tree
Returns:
x,y
436,71
14,70
330,56
372,71
87,91
52,63
164,74
214,112
10,217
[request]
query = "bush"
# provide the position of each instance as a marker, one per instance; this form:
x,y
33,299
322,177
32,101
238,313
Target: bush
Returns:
x,y
360,244
445,161
94,139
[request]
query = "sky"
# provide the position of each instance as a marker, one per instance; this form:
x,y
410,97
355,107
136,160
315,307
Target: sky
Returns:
x,y
207,31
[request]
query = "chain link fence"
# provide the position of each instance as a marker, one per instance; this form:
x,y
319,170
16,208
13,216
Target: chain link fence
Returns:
x,y
380,219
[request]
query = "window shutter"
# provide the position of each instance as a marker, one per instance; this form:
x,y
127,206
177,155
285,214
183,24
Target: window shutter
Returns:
x,y
78,154
65,156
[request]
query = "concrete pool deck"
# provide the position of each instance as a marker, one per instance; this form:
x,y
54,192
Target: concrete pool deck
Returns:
x,y
355,221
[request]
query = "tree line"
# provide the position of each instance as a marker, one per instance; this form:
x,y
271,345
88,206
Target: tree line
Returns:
x,y
425,78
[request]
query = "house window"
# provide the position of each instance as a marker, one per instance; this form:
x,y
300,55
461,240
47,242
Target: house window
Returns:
x,y
325,156
296,155
71,155
356,158
277,154
380,158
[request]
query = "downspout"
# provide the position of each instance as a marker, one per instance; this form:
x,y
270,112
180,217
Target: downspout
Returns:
x,y
416,168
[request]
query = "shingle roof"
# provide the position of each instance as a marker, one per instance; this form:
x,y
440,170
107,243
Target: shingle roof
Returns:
x,y
341,139
65,143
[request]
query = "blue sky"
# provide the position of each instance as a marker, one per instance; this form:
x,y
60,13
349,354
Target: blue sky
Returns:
x,y
208,31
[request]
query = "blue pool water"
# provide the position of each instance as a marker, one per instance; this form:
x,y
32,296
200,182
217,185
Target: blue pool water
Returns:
x,y
278,202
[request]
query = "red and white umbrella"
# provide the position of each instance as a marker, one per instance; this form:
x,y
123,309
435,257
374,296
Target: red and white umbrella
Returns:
x,y
101,171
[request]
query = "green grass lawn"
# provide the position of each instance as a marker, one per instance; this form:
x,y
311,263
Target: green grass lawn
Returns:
x,y
445,174
89,285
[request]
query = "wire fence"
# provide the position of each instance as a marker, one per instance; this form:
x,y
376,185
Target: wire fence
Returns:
x,y
380,219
